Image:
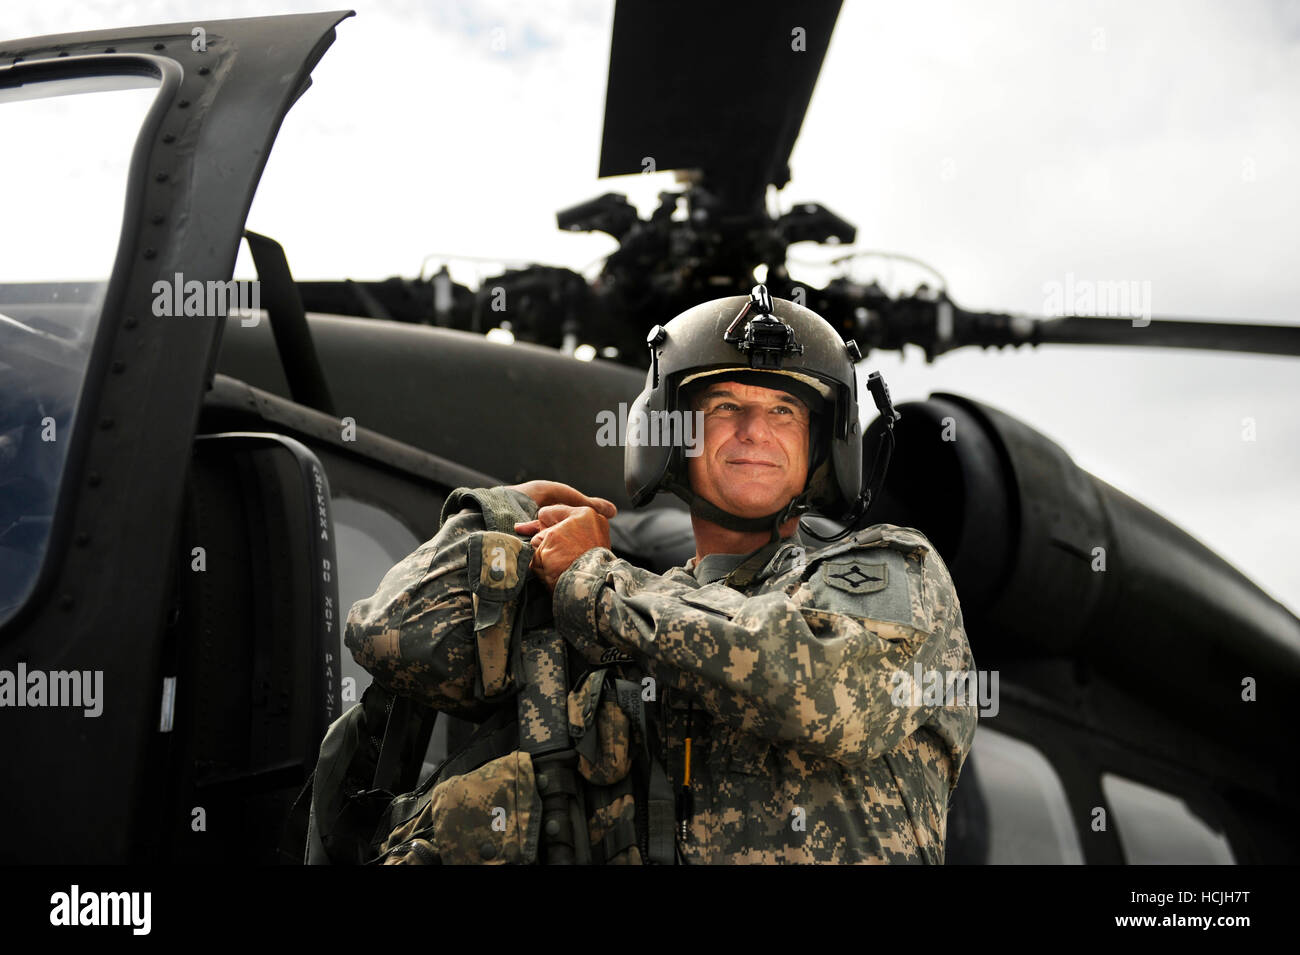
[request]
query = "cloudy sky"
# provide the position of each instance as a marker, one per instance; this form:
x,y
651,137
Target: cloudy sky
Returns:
x,y
1011,145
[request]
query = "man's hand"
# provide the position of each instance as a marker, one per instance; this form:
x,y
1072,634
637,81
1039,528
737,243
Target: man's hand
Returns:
x,y
561,534
553,492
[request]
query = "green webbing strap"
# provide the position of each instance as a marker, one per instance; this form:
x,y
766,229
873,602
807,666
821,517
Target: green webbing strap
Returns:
x,y
661,805
753,565
501,508
335,797
388,765
495,737
662,810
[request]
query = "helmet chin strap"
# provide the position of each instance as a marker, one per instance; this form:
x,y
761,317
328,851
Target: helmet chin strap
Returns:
x,y
773,522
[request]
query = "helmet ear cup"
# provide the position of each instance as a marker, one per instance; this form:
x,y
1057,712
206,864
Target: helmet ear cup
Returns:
x,y
818,443
819,446
818,457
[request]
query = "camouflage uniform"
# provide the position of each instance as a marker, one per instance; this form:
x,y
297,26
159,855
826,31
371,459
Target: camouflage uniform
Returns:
x,y
787,666
799,753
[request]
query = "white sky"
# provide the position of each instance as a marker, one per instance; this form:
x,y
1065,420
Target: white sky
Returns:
x,y
1009,144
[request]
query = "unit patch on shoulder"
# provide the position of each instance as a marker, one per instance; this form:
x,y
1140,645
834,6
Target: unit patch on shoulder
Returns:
x,y
856,576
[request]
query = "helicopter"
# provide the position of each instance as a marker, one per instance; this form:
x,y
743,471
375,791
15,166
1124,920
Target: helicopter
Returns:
x,y
224,486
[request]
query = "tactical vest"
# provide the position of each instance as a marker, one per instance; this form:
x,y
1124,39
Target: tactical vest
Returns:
x,y
564,770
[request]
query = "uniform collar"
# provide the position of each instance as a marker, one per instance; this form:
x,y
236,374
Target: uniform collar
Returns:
x,y
714,567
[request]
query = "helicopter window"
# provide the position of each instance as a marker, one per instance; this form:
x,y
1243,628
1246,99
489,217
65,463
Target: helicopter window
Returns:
x,y
68,146
369,541
1158,828
1027,810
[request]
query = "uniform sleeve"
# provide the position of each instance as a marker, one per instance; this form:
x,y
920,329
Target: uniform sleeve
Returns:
x,y
795,665
417,633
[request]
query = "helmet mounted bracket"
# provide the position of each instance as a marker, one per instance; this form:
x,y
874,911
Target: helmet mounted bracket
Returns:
x,y
765,338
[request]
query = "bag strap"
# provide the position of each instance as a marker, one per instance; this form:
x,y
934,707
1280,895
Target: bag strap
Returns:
x,y
338,775
406,736
495,737
660,803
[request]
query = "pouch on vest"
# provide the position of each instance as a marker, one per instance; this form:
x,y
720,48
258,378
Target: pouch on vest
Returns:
x,y
491,815
497,568
602,731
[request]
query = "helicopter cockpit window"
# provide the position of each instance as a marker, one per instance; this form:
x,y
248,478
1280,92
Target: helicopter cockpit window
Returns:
x,y
369,541
67,149
1157,828
1028,813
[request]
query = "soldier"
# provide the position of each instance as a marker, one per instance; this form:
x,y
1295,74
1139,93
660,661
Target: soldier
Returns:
x,y
784,708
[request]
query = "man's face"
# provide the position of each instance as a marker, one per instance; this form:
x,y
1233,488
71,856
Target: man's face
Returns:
x,y
755,456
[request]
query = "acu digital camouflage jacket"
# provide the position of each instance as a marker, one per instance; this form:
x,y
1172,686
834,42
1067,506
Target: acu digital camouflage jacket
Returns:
x,y
792,670
810,741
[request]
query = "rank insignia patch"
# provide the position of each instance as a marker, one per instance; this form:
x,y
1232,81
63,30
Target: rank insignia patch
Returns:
x,y
856,576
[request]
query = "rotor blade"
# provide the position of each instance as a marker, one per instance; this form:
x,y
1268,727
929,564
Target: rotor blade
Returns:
x,y
717,87
1169,333
938,326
